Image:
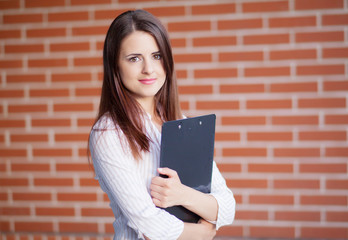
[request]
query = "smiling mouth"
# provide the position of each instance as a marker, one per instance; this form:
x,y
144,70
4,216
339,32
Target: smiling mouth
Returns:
x,y
148,81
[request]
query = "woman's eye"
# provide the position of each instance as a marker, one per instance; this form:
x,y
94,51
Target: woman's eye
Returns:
x,y
134,59
157,56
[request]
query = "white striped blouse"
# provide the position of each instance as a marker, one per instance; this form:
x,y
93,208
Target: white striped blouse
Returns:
x,y
127,181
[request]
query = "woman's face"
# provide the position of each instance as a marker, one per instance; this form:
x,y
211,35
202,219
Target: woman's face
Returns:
x,y
140,65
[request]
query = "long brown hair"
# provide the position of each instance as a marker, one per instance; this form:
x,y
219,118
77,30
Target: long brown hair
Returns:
x,y
116,100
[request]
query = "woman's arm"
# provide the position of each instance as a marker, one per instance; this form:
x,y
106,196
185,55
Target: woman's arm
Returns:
x,y
167,192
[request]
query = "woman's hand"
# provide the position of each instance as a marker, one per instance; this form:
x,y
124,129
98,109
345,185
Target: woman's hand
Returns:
x,y
167,192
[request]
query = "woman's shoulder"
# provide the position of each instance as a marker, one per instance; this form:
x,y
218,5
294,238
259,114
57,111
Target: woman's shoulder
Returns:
x,y
105,122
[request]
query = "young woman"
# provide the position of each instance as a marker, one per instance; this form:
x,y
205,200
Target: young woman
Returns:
x,y
139,93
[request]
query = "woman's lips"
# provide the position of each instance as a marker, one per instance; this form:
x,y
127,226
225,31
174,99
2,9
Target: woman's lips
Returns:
x,y
148,81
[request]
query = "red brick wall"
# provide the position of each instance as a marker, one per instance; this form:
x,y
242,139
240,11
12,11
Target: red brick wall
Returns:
x,y
274,72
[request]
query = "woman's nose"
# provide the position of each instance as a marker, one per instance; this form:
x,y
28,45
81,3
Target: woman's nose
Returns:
x,y
147,67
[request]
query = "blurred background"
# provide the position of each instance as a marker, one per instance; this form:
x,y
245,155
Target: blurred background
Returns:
x,y
274,72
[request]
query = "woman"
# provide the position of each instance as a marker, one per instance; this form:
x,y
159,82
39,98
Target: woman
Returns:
x,y
139,93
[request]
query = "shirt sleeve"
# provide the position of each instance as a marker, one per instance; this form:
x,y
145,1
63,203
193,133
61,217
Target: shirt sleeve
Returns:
x,y
224,198
118,177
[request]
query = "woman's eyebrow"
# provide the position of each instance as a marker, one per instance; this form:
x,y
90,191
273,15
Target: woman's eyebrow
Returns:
x,y
133,54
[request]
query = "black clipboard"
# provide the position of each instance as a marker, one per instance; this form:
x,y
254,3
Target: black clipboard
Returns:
x,y
187,146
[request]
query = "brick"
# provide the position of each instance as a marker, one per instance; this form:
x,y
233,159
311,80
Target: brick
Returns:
x,y
89,2
336,119
87,31
11,94
33,226
221,105
22,18
268,104
270,168
25,78
69,47
266,39
240,24
323,168
213,9
334,19
266,71
82,92
244,120
296,184
230,231
53,182
335,53
242,88
167,11
215,73
294,87
32,196
265,6
335,85
3,196
323,200
241,56
322,136
85,122
97,212
251,215
317,4
296,152
193,57
333,216
11,4
8,34
54,212
198,89
12,123
43,3
244,152
54,122
184,105
83,152
27,108
68,16
273,232
24,48
295,120
63,152
320,70
46,32
71,77
189,26
49,93
5,227
15,211
88,182
89,61
73,167
337,36
271,199
283,22
322,103
44,63
312,216
337,184
175,42
269,136
73,227
30,167
336,152
68,137
109,14
227,136
293,54
11,64
14,182
77,197
73,107
324,232
214,41
247,183
229,167
13,153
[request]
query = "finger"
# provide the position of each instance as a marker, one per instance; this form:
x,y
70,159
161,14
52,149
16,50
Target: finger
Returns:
x,y
167,171
158,181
